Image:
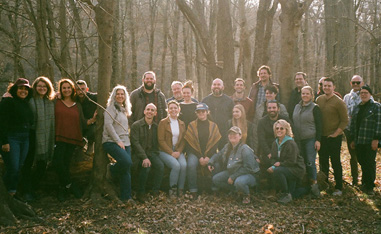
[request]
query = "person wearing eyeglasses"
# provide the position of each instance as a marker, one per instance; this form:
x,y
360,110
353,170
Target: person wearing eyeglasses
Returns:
x,y
289,164
352,99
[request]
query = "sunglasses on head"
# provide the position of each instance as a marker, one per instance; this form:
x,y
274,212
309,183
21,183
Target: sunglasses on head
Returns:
x,y
356,82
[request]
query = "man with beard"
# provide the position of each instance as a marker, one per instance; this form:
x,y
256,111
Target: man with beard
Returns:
x,y
89,111
240,98
177,92
145,94
300,80
221,107
266,138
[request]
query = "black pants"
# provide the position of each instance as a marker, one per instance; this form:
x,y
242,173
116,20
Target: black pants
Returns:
x,y
353,160
330,148
61,161
367,160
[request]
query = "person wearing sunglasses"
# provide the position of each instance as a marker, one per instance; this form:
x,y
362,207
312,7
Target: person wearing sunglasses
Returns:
x,y
352,99
289,166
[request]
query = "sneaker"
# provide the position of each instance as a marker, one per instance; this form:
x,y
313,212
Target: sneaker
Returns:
x,y
180,193
285,198
130,202
172,192
315,190
337,192
246,199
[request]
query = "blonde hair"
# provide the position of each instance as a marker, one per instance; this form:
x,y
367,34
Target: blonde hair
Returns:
x,y
241,122
283,123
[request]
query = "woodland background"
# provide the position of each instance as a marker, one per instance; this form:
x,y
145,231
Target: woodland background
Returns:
x,y
195,40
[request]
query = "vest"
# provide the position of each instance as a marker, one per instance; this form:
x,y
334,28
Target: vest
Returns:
x,y
304,121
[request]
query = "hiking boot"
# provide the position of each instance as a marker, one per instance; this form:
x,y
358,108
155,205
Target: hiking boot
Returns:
x,y
315,190
285,198
337,192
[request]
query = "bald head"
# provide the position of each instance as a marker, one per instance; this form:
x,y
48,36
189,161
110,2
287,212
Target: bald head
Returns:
x,y
217,87
357,82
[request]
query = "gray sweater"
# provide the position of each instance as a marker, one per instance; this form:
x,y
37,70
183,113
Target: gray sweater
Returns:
x,y
113,131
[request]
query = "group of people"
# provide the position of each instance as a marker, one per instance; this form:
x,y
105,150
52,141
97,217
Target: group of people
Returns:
x,y
231,143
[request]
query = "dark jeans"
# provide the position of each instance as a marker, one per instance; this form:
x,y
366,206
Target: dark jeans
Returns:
x,y
14,159
367,160
158,170
122,168
330,148
353,161
284,179
63,152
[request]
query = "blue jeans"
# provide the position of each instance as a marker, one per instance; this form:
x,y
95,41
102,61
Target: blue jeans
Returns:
x,y
14,159
122,167
308,152
284,179
178,169
242,183
158,168
192,165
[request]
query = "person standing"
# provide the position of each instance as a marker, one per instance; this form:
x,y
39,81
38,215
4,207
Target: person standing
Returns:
x,y
147,93
300,80
69,122
352,99
239,97
16,120
307,121
365,136
188,106
115,138
220,106
335,119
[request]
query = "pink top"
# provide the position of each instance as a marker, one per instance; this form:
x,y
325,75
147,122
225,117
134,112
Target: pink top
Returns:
x,y
68,127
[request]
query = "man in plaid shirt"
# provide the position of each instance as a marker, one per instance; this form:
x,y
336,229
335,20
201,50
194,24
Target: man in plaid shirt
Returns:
x,y
365,134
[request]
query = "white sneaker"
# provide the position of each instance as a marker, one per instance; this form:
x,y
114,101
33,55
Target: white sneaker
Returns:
x,y
337,193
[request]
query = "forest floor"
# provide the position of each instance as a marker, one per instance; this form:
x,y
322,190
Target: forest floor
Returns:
x,y
354,212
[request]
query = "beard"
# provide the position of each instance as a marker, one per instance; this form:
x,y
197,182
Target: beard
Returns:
x,y
149,87
217,92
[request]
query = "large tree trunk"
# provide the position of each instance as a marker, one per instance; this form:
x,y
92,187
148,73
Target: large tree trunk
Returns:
x,y
225,44
134,54
163,79
115,77
263,30
174,42
151,33
104,13
10,208
292,12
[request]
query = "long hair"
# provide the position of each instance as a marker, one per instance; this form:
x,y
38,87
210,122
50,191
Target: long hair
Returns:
x,y
71,83
241,122
50,93
126,104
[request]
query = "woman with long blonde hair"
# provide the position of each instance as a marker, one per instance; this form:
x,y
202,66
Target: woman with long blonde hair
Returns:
x,y
239,120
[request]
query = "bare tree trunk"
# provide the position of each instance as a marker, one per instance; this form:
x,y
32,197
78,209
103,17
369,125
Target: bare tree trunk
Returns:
x,y
115,77
187,48
82,46
104,13
263,32
292,12
134,53
163,79
174,43
65,59
152,16
124,79
225,44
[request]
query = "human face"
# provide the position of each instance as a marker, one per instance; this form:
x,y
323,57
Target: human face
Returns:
x,y
202,114
176,91
66,90
217,87
364,95
150,111
41,88
173,110
237,113
272,110
187,94
280,131
299,81
264,76
356,83
149,81
120,96
234,138
239,87
306,95
270,95
82,90
22,92
328,88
